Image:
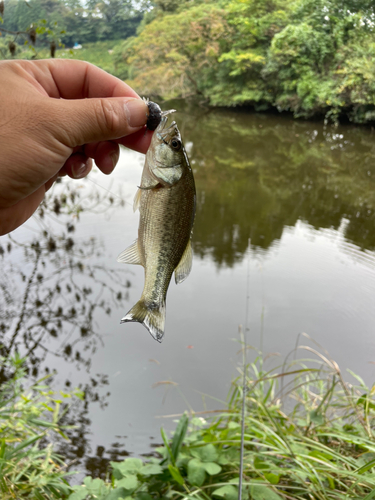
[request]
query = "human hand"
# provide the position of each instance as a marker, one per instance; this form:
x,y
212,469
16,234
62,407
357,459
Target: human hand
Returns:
x,y
55,116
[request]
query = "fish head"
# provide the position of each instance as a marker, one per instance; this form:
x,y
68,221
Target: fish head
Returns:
x,y
167,158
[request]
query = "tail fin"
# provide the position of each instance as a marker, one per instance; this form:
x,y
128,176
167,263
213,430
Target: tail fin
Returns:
x,y
152,318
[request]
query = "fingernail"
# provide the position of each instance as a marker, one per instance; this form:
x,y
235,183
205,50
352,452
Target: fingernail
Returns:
x,y
136,110
79,170
114,157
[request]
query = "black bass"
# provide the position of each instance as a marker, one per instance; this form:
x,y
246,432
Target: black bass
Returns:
x,y
166,202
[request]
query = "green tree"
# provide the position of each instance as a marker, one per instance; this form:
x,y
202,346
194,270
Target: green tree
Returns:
x,y
177,54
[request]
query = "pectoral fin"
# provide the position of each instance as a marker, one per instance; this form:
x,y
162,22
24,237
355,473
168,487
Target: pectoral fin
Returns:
x,y
138,194
130,255
137,199
183,269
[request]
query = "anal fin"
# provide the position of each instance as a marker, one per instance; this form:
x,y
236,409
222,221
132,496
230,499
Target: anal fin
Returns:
x,y
130,255
183,269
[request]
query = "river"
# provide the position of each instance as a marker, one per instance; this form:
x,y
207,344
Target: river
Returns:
x,y
284,245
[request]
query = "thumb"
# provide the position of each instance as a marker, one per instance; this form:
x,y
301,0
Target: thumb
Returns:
x,y
80,121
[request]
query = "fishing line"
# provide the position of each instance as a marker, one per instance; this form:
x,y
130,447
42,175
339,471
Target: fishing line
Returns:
x,y
108,191
244,352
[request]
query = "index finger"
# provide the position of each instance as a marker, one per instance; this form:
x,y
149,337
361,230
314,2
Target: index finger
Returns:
x,y
138,141
73,79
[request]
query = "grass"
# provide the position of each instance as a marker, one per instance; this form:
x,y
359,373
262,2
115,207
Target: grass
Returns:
x,y
29,415
98,53
323,448
104,54
308,435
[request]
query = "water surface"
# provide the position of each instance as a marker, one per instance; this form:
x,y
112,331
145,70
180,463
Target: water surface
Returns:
x,y
284,243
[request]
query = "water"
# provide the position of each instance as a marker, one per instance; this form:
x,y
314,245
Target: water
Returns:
x,y
284,242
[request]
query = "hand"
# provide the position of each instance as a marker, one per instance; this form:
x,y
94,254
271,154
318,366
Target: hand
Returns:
x,y
55,115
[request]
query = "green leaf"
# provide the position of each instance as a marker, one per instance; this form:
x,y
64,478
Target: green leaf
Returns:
x,y
38,495
321,455
116,494
2,449
262,492
167,447
260,464
23,445
229,492
272,478
175,473
206,453
196,472
150,469
94,487
211,468
79,394
128,466
143,496
370,496
316,417
365,401
80,494
179,435
366,467
130,483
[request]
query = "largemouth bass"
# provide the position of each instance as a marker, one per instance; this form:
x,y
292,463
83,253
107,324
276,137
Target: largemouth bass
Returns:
x,y
166,202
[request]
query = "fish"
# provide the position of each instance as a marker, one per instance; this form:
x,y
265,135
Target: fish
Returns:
x,y
166,200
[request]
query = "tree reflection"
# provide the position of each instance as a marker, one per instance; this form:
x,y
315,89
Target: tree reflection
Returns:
x,y
256,174
53,291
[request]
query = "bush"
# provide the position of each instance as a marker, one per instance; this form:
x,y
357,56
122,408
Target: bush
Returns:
x,y
29,417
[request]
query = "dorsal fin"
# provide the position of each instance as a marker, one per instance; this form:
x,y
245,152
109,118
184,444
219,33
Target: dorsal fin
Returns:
x,y
183,269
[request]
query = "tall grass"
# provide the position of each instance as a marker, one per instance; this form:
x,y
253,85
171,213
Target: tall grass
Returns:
x,y
29,416
308,436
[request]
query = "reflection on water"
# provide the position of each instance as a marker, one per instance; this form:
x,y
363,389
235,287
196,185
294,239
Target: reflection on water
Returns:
x,y
261,178
257,174
52,290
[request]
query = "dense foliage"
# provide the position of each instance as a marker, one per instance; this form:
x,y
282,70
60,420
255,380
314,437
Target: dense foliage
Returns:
x,y
77,22
310,57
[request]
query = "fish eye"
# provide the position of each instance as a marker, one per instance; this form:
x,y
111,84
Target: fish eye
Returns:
x,y
176,144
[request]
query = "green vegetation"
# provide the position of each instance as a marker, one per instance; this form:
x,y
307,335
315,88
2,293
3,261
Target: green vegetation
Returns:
x,y
322,448
77,22
99,53
29,468
308,57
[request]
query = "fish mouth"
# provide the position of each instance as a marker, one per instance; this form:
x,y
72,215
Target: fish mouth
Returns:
x,y
164,133
164,120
